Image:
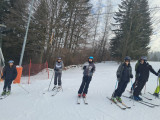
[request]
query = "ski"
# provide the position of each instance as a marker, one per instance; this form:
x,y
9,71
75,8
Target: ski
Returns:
x,y
153,95
141,102
125,105
146,97
3,97
85,101
78,100
122,108
56,91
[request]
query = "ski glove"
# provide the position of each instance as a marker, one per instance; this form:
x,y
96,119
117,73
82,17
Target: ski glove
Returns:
x,y
92,70
131,76
55,69
84,67
118,76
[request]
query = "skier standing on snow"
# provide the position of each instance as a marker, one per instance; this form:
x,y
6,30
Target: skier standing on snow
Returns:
x,y
9,74
58,73
89,69
142,76
124,73
156,93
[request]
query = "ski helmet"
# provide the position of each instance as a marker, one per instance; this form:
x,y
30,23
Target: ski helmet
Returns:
x,y
91,57
127,58
59,58
144,58
10,61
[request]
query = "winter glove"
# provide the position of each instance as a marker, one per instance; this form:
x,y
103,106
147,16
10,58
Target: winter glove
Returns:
x,y
84,67
92,70
159,71
118,76
55,69
131,76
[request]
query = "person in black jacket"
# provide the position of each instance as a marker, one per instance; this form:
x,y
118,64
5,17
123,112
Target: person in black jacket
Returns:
x,y
124,73
142,77
9,74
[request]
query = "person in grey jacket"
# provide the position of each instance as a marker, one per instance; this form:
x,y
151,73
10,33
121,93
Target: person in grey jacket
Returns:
x,y
124,73
58,72
89,69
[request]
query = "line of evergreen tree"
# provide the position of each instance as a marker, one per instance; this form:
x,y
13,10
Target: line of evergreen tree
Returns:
x,y
132,29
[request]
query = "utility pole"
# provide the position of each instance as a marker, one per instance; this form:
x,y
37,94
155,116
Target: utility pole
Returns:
x,y
1,26
26,34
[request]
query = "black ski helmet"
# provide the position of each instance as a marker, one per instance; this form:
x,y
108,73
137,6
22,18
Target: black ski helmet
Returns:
x,y
144,58
127,58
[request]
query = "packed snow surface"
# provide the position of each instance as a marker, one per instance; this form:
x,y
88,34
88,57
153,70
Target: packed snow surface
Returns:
x,y
38,106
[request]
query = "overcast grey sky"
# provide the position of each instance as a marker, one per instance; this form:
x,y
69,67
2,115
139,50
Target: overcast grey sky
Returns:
x,y
155,38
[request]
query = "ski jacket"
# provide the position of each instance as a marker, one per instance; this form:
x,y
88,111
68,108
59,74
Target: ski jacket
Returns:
x,y
124,72
89,69
59,67
9,73
143,71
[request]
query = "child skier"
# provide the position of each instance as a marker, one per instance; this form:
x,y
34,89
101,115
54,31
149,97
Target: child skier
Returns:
x,y
89,69
124,73
58,73
142,77
156,93
9,74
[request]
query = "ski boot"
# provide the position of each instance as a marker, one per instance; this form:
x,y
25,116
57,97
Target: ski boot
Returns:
x,y
79,95
84,95
3,93
8,92
119,99
156,95
55,87
114,99
137,98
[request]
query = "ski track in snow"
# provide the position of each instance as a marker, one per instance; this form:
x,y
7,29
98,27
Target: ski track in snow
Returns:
x,y
38,106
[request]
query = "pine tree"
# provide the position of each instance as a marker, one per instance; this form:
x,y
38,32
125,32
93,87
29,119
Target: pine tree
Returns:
x,y
133,32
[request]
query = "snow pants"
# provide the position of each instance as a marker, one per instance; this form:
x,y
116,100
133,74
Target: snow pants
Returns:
x,y
158,87
85,85
57,76
7,84
140,85
120,89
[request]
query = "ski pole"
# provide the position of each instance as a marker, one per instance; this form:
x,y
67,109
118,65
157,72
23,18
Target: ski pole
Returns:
x,y
132,91
51,81
23,88
145,89
116,84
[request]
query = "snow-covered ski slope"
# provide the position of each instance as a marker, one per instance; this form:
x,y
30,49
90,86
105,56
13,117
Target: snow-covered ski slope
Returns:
x,y
38,106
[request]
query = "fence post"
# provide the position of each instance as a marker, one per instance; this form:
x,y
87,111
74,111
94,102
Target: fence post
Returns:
x,y
47,69
29,72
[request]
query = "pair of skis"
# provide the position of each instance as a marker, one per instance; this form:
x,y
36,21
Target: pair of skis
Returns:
x,y
56,90
84,100
121,105
148,104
